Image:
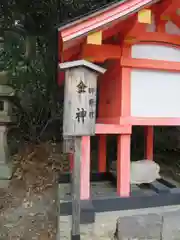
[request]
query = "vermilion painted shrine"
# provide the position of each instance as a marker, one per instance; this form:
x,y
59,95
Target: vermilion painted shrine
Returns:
x,y
138,42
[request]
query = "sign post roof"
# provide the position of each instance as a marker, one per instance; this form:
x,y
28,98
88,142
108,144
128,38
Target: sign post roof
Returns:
x,y
81,63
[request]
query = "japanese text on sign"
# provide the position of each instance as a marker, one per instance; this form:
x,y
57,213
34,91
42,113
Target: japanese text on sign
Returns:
x,y
81,113
81,87
80,102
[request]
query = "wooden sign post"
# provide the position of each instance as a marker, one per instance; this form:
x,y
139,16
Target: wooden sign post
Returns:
x,y
79,120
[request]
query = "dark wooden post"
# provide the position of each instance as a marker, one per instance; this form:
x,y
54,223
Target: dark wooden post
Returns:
x,y
79,120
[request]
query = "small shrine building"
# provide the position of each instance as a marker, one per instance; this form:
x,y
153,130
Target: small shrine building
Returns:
x,y
138,42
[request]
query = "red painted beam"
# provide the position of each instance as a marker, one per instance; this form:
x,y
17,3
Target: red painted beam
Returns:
x,y
113,129
150,121
100,53
151,64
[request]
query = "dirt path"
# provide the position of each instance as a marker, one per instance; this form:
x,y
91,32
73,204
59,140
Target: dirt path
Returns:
x,y
28,209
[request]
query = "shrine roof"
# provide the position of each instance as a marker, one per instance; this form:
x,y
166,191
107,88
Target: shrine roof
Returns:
x,y
89,13
101,17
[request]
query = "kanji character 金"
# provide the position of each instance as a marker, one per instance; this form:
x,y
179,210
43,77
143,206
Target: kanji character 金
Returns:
x,y
81,87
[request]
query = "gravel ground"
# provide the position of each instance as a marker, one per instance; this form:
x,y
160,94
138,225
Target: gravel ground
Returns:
x,y
28,208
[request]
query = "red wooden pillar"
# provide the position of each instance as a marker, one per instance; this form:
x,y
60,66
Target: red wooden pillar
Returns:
x,y
123,165
149,141
124,140
71,159
85,168
102,154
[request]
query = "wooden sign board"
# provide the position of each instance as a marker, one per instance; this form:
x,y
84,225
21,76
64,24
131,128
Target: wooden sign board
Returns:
x,y
79,120
68,144
80,98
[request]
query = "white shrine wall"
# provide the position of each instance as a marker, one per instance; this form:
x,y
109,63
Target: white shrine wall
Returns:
x,y
155,93
155,52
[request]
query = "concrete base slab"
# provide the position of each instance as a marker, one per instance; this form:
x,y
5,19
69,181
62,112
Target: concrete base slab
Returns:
x,y
139,227
171,226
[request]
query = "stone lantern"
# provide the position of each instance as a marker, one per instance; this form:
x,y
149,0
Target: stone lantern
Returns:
x,y
6,118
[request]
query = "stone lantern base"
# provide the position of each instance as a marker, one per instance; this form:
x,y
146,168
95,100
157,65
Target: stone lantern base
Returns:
x,y
5,171
6,92
5,163
5,178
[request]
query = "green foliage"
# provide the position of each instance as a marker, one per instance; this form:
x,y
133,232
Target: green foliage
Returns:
x,y
31,66
35,83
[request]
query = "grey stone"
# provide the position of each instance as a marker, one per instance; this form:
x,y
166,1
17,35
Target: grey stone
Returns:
x,y
139,227
3,76
6,119
4,153
142,171
139,224
87,231
7,107
105,225
5,171
6,90
6,114
171,226
5,165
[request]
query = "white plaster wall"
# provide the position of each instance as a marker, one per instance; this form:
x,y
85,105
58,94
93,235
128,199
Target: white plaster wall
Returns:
x,y
155,52
155,93
171,28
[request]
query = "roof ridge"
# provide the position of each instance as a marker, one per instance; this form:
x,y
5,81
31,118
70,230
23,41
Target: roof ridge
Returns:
x,y
90,13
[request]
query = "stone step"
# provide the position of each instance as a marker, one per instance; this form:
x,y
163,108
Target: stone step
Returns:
x,y
161,223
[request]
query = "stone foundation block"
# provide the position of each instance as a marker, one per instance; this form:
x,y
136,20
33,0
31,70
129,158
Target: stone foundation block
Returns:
x,y
139,227
162,223
171,226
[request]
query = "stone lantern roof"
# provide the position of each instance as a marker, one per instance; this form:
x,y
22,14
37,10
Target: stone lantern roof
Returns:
x,y
6,91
